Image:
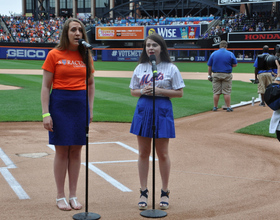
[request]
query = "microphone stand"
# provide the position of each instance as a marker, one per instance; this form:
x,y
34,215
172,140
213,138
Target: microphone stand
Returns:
x,y
86,215
154,213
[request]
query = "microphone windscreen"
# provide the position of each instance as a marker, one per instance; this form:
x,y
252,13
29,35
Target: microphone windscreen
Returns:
x,y
152,58
81,41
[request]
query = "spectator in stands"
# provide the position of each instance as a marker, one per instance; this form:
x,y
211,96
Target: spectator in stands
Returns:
x,y
23,29
220,64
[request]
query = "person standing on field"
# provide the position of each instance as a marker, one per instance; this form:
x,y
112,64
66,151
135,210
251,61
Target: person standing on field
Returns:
x,y
264,77
63,98
168,84
220,64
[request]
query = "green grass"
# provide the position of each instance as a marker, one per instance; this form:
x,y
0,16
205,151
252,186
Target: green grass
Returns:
x,y
23,104
260,128
21,64
125,66
113,101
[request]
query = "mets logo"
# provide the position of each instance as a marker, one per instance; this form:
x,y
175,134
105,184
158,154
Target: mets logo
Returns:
x,y
151,31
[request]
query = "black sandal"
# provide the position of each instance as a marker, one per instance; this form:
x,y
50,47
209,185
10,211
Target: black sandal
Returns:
x,y
164,205
143,205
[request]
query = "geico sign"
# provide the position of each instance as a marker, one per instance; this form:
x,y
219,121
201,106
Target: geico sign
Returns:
x,y
27,53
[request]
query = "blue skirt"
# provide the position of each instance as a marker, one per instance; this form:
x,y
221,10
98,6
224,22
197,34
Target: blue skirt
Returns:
x,y
68,111
143,118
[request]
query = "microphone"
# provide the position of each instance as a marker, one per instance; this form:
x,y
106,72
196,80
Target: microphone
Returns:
x,y
85,44
154,64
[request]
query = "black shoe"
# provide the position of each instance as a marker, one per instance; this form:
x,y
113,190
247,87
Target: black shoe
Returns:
x,y
229,109
215,109
262,104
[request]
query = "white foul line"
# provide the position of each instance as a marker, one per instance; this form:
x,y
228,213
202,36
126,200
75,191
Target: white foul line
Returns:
x,y
108,178
104,175
14,184
9,177
6,160
114,161
123,145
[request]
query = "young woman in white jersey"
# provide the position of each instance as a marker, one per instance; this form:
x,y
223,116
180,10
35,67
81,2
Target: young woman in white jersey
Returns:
x,y
168,84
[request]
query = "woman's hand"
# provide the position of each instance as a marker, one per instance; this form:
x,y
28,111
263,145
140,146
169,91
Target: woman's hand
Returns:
x,y
48,123
147,90
91,116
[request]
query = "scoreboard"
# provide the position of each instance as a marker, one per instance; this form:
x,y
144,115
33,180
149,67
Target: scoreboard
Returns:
x,y
232,2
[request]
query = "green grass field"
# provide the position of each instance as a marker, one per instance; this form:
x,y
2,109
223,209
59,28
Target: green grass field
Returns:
x,y
113,101
125,66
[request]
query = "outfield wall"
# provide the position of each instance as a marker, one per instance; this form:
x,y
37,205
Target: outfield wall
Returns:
x,y
128,54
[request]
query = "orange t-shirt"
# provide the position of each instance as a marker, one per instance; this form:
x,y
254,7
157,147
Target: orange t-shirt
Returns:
x,y
68,68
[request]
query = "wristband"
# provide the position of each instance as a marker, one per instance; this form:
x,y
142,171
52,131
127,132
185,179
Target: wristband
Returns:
x,y
141,91
46,115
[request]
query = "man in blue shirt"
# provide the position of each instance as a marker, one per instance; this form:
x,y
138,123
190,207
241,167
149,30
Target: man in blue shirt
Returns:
x,y
220,64
263,76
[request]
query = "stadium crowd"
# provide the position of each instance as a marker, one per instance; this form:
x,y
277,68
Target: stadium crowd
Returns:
x,y
259,21
26,29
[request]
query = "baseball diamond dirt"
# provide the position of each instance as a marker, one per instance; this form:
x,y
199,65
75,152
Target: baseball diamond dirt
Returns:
x,y
215,174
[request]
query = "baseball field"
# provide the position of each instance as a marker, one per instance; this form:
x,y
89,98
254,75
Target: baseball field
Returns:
x,y
216,173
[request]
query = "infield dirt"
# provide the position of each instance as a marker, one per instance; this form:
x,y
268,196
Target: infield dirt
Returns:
x,y
216,173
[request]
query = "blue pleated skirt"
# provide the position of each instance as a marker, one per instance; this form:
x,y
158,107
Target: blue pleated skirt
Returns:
x,y
143,118
68,111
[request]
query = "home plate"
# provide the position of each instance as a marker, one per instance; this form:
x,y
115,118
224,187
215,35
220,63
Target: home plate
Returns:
x,y
33,155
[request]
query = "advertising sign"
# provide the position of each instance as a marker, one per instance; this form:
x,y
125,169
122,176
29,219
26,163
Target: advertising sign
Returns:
x,y
24,53
119,33
175,32
121,55
253,37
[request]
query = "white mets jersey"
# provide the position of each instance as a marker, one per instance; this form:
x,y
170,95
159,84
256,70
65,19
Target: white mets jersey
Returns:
x,y
168,76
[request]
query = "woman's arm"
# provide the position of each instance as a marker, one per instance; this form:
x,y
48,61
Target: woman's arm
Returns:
x,y
91,92
45,98
148,90
178,93
138,92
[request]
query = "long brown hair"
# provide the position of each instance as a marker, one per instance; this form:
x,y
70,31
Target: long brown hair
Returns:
x,y
64,42
164,55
